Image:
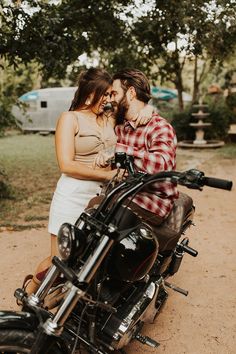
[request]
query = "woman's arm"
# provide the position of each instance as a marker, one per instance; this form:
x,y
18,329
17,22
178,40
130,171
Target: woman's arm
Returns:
x,y
66,129
144,116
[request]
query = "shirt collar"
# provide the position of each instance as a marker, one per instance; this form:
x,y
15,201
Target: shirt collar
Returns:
x,y
130,124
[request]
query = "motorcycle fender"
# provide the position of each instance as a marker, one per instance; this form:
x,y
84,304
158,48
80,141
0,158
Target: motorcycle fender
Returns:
x,y
23,320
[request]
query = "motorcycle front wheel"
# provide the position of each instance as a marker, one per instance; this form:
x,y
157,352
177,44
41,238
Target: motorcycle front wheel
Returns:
x,y
19,341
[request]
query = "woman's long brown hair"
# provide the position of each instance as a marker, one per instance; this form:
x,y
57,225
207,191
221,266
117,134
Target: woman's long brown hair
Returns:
x,y
94,81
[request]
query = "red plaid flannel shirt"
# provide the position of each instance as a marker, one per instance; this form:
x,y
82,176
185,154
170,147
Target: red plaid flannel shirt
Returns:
x,y
154,149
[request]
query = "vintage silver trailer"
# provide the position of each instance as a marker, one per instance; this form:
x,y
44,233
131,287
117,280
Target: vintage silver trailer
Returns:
x,y
43,108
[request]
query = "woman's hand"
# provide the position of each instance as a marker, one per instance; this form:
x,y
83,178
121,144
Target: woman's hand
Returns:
x,y
120,174
145,115
103,157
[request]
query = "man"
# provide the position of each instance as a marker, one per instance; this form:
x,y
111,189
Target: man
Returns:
x,y
152,145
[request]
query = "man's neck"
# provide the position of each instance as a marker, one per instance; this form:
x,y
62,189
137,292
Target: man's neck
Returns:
x,y
134,110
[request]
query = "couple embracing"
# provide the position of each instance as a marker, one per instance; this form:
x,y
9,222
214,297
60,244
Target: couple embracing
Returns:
x,y
88,134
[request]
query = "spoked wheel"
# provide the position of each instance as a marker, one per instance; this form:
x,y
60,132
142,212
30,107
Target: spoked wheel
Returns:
x,y
16,341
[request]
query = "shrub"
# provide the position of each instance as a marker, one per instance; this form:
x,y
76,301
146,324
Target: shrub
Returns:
x,y
231,103
180,122
6,118
5,189
220,116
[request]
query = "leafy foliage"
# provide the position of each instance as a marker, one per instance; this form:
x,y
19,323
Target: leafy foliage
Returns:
x,y
193,28
180,122
220,117
158,40
5,189
6,118
231,103
55,34
14,82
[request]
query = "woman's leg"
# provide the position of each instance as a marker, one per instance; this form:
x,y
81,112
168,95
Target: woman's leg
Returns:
x,y
33,286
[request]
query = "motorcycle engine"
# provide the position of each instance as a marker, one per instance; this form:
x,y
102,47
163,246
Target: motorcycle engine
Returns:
x,y
118,329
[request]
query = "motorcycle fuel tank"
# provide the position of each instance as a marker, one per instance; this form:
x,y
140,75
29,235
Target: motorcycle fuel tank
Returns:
x,y
134,254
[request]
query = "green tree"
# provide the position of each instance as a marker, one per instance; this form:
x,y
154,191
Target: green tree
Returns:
x,y
53,35
56,34
13,83
158,40
174,31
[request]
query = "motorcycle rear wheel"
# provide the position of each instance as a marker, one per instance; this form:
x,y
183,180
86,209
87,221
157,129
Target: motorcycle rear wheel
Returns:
x,y
19,341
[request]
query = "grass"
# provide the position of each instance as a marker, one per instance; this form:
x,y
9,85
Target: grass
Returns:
x,y
30,172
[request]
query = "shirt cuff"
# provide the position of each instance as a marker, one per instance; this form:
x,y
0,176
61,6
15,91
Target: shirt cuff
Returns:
x,y
129,150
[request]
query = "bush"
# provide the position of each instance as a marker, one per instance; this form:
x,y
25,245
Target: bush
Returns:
x,y
220,116
6,118
14,82
180,122
5,189
231,103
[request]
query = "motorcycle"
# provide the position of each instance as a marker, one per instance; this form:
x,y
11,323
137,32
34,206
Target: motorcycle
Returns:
x,y
112,274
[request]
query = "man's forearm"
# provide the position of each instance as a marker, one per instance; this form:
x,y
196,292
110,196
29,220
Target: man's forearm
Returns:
x,y
150,161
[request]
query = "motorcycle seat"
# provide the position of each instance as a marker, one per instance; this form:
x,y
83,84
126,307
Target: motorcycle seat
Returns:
x,y
168,233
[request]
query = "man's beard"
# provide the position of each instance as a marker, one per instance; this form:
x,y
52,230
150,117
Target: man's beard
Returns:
x,y
121,110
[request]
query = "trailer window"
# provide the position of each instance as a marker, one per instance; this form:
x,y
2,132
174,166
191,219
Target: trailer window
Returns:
x,y
44,104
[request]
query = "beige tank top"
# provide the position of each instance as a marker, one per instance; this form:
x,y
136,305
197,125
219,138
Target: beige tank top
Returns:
x,y
92,138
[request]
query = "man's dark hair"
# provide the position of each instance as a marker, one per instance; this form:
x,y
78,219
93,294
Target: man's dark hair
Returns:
x,y
137,79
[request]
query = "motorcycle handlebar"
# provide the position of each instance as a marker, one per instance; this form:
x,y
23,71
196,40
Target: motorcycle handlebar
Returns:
x,y
192,178
217,183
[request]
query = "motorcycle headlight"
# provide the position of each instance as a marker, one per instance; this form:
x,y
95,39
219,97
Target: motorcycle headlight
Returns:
x,y
71,241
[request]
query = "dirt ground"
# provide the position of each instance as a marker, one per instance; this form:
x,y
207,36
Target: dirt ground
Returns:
x,y
204,322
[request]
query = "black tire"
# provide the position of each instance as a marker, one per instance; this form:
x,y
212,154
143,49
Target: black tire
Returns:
x,y
19,341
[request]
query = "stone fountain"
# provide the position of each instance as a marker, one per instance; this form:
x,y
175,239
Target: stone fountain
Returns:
x,y
200,126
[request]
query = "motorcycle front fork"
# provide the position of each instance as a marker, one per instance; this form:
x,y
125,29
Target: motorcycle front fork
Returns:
x,y
37,298
53,326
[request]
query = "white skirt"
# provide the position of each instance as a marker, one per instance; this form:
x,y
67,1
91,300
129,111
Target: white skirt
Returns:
x,y
70,199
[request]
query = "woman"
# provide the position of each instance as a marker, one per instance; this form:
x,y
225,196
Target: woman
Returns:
x,y
81,135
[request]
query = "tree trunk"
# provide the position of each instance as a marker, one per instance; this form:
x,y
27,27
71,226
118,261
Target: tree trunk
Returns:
x,y
195,97
179,87
178,77
180,99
